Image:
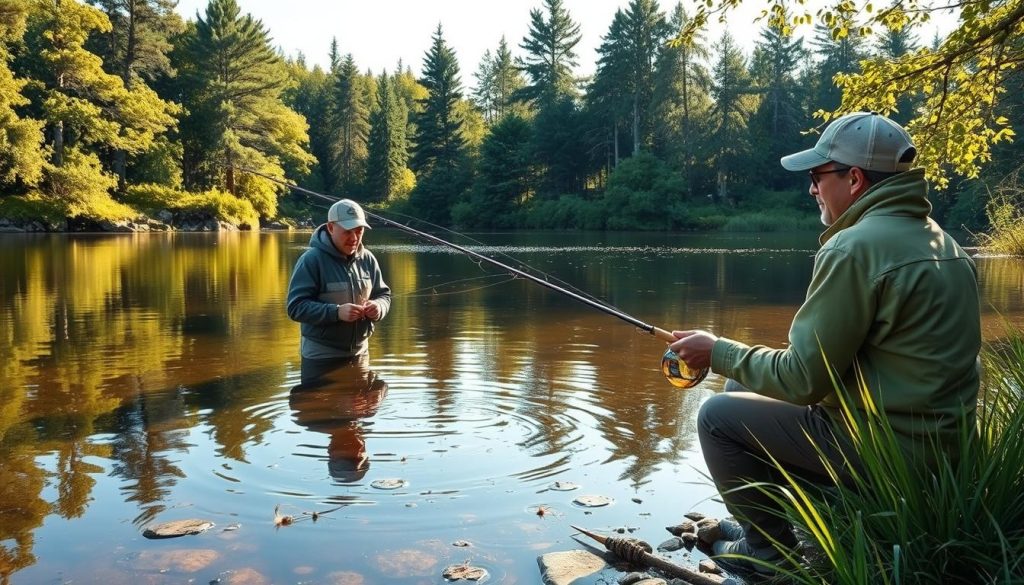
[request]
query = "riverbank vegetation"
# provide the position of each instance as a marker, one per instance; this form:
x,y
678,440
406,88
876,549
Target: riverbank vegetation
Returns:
x,y
107,108
898,523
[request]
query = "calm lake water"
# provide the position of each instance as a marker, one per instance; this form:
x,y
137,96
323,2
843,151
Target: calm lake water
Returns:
x,y
149,378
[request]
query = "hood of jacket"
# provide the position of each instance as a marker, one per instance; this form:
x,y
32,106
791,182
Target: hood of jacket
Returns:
x,y
321,240
906,194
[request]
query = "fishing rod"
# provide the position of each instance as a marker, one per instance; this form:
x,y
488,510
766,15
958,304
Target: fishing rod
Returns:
x,y
676,370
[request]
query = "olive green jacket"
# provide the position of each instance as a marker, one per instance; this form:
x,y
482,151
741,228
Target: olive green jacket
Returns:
x,y
893,297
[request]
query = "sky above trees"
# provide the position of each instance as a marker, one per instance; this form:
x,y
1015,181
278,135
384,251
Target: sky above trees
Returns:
x,y
379,33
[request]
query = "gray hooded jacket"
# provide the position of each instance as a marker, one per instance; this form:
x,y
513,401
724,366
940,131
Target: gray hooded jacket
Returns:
x,y
323,279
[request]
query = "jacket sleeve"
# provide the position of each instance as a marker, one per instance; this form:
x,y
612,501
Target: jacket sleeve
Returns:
x,y
831,325
304,305
381,292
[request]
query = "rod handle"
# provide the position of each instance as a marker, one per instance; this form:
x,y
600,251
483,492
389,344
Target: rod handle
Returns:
x,y
663,335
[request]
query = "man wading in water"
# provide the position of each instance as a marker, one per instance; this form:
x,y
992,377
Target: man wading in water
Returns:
x,y
337,292
892,297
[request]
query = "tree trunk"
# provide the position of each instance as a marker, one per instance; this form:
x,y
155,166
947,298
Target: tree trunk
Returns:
x,y
636,124
58,144
615,143
230,177
120,168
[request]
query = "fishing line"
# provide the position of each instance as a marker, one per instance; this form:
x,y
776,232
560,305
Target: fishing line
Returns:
x,y
434,287
678,373
414,294
520,263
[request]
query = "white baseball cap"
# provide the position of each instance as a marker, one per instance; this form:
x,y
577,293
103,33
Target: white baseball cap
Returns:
x,y
347,214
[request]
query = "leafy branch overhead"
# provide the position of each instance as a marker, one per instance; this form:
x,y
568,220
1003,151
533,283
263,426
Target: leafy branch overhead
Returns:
x,y
958,83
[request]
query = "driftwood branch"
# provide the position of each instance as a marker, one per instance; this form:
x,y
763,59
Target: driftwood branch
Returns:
x,y
632,551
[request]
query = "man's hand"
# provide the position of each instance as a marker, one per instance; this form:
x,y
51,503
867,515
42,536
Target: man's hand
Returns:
x,y
350,312
371,310
694,347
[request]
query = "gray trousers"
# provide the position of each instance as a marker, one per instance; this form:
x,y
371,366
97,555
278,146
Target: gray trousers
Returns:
x,y
737,429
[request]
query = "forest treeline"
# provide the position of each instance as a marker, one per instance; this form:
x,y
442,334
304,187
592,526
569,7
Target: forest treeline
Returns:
x,y
113,109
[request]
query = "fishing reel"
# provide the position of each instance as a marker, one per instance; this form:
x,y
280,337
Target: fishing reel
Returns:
x,y
678,373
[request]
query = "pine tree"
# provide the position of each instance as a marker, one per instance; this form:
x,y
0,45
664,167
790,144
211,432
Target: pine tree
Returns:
x,y
504,182
609,97
647,31
350,120
682,102
335,56
891,45
498,80
412,94
732,110
836,55
139,40
136,48
439,142
309,94
387,174
550,53
232,81
780,117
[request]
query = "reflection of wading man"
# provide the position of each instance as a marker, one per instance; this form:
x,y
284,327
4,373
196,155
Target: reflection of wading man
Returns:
x,y
337,291
892,296
333,403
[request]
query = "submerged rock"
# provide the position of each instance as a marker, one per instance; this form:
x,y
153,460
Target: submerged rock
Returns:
x,y
593,501
346,578
389,484
464,572
405,563
186,561
247,576
562,568
177,528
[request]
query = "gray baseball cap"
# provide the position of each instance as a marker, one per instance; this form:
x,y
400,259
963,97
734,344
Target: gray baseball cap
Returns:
x,y
866,140
348,214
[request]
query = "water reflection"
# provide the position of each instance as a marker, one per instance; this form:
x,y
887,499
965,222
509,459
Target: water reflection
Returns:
x,y
335,401
150,376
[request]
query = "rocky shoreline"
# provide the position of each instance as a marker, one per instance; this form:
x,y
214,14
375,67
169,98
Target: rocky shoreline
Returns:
x,y
163,221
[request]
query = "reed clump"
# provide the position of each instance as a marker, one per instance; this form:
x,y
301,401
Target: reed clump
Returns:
x,y
1005,214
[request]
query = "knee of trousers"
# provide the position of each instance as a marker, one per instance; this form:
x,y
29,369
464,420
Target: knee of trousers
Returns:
x,y
712,412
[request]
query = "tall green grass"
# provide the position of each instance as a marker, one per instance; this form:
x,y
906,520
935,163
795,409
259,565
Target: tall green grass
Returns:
x,y
1005,214
1006,225
957,520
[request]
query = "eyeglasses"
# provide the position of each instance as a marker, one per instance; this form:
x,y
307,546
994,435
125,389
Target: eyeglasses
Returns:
x,y
816,178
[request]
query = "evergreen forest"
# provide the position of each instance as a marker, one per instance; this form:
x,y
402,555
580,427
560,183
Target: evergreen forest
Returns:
x,y
115,110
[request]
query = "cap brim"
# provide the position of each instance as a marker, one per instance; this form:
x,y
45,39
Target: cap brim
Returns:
x,y
803,161
351,224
